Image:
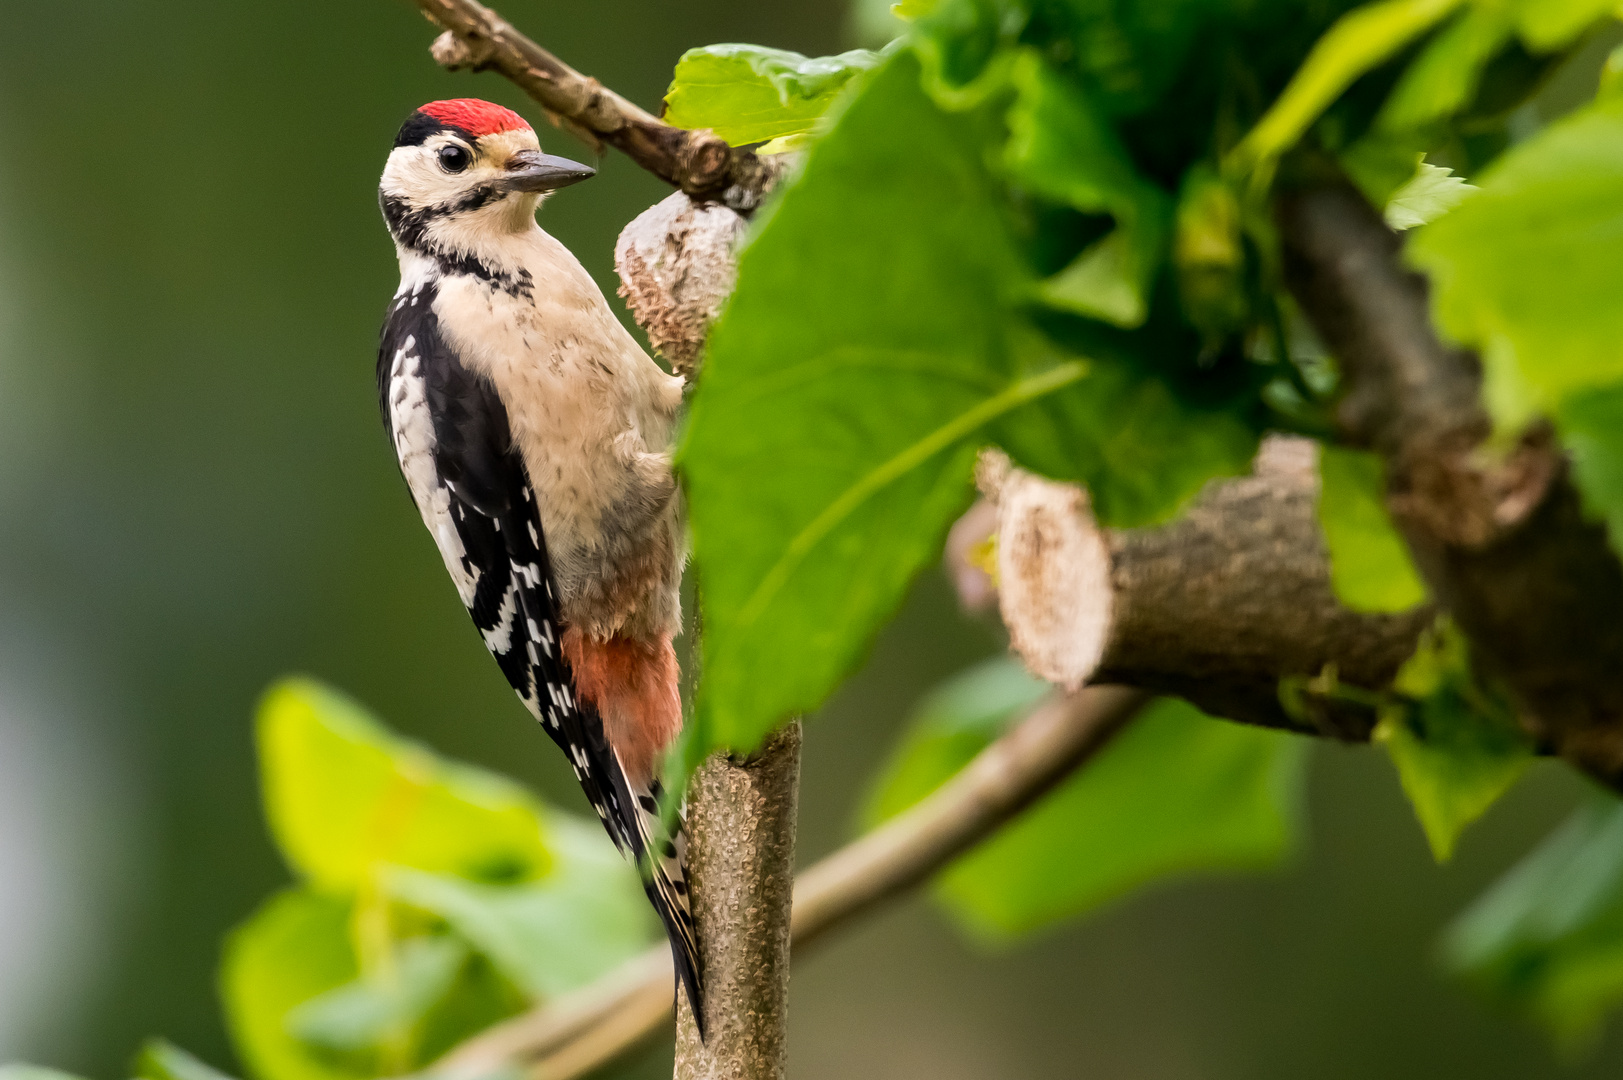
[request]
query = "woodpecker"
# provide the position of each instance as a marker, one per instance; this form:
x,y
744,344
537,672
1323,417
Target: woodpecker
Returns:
x,y
533,433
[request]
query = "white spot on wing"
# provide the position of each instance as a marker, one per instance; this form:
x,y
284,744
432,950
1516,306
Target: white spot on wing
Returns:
x,y
413,424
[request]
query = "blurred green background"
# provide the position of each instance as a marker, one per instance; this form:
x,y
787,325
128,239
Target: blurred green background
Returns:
x,y
195,498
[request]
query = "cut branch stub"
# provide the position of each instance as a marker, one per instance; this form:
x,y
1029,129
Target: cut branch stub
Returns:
x,y
1053,573
677,261
1216,607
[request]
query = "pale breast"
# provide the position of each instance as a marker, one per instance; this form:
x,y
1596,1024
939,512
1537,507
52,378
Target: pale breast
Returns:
x,y
592,415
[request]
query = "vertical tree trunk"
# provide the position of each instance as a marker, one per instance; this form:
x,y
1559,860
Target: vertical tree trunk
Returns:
x,y
741,855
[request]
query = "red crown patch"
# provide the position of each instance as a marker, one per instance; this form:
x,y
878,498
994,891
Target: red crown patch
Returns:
x,y
478,118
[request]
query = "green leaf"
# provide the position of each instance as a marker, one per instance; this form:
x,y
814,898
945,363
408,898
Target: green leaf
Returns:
x,y
749,94
1547,25
17,1070
1358,42
1456,745
1444,78
950,726
1176,793
1139,444
832,436
368,1011
1591,424
1370,568
1526,270
877,337
1059,147
1209,253
293,948
161,1059
1433,192
1548,936
344,796
550,936
964,47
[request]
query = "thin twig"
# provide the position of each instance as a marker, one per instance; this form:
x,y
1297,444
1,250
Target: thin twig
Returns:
x,y
569,1037
698,162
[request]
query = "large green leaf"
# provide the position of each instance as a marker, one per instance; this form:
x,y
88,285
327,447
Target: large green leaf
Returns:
x,y
344,796
832,435
1455,743
293,948
1526,270
1176,793
1548,937
877,336
549,936
1370,568
749,94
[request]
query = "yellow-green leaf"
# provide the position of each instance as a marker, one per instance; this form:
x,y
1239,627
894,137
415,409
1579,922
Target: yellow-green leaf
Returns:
x,y
1359,40
1455,743
345,797
1370,567
749,94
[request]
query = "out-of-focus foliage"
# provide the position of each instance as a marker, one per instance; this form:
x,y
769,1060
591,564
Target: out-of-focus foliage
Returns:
x,y
1177,793
1548,937
1520,269
160,1059
18,1071
434,899
1455,743
1370,568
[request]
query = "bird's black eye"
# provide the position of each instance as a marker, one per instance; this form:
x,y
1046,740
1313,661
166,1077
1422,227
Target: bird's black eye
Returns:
x,y
454,158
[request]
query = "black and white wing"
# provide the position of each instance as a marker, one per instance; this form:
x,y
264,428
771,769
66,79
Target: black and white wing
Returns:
x,y
450,433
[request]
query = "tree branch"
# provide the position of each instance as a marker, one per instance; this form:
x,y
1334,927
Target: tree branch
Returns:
x,y
570,1037
698,162
1501,540
741,822
1216,607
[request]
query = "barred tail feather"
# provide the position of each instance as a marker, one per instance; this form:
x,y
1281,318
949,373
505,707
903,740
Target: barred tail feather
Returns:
x,y
661,858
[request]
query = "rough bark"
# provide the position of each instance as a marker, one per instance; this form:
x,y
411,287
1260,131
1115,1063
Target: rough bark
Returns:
x,y
571,1037
741,851
1216,607
1500,539
698,162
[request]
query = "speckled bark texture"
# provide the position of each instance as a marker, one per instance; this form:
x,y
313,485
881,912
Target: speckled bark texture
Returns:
x,y
1216,607
741,852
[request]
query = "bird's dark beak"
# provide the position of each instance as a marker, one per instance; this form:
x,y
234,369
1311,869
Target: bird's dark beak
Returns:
x,y
531,170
